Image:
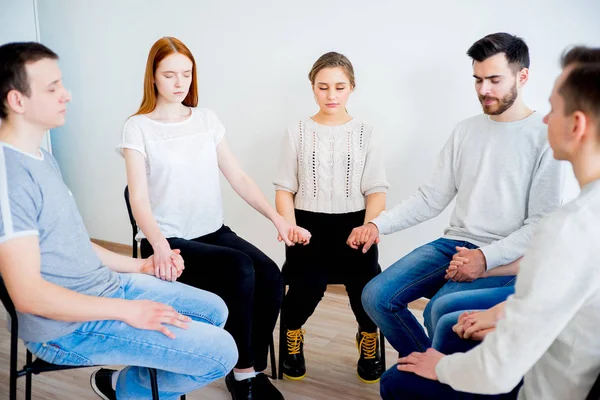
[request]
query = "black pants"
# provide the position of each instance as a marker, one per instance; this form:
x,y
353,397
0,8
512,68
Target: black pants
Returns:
x,y
247,280
325,259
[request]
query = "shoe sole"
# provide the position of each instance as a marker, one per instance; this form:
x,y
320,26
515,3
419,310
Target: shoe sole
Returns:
x,y
366,381
294,378
95,388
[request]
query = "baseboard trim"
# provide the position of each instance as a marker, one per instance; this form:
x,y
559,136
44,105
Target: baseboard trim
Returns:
x,y
120,248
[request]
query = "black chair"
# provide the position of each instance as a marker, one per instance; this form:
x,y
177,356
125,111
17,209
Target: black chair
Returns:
x,y
37,366
335,280
134,243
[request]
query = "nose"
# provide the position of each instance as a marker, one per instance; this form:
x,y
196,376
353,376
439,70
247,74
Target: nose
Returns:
x,y
484,88
546,119
177,81
66,96
331,94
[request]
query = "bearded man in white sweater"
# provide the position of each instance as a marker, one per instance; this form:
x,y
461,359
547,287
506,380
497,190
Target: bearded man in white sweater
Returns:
x,y
547,330
500,168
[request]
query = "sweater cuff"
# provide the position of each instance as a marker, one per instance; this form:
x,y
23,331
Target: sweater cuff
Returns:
x,y
377,189
493,256
440,370
382,223
284,189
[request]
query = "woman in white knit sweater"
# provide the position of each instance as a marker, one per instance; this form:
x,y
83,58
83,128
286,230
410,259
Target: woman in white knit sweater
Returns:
x,y
331,179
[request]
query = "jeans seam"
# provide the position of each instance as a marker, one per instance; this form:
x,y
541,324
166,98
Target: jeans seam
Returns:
x,y
406,306
120,338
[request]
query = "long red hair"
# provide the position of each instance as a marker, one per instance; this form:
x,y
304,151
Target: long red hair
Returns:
x,y
160,50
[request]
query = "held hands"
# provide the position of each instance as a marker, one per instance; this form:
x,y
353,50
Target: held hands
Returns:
x,y
165,264
365,236
291,234
153,316
475,324
466,265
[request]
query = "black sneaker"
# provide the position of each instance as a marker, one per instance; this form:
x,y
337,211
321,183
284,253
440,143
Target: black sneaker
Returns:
x,y
294,366
369,366
101,381
248,389
266,388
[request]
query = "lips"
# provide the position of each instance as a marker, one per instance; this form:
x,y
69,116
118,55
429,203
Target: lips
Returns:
x,y
332,105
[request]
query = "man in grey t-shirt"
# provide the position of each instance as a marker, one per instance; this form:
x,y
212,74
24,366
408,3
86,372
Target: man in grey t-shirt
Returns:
x,y
77,303
500,168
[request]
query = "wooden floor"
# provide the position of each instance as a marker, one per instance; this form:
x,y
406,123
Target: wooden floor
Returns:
x,y
330,360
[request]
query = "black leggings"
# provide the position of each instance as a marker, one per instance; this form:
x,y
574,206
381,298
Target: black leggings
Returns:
x,y
247,280
327,257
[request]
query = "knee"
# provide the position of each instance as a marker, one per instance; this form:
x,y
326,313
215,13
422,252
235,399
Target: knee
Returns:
x,y
218,364
221,312
240,266
374,297
228,353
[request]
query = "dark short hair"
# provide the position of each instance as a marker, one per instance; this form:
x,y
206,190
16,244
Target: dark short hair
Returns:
x,y
580,55
581,91
13,75
515,49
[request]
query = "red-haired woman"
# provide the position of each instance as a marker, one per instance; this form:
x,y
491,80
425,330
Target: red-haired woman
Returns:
x,y
173,152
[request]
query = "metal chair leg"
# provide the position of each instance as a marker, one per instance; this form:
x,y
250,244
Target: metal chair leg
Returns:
x,y
382,343
153,383
273,363
14,348
28,377
282,340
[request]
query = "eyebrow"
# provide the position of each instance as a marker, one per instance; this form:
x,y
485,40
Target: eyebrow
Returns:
x,y
488,77
53,83
174,72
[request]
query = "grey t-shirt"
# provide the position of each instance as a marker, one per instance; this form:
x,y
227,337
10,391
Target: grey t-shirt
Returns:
x,y
34,200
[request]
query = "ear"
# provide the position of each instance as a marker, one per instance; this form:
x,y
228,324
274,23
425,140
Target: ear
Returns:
x,y
579,128
523,76
15,101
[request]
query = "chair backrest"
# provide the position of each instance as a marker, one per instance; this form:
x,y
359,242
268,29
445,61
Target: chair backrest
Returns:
x,y
134,227
129,211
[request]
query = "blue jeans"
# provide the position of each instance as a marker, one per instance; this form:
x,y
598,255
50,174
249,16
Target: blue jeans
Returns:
x,y
418,274
447,309
399,385
197,356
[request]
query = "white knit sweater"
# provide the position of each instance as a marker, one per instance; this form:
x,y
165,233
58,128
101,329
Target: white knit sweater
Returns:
x,y
331,169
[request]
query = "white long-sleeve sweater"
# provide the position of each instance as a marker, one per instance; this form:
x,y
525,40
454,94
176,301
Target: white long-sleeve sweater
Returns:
x,y
505,179
550,330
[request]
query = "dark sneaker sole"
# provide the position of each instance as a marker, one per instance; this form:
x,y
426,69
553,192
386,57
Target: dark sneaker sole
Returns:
x,y
95,388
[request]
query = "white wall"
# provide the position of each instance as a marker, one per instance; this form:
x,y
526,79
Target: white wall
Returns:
x,y
18,23
413,83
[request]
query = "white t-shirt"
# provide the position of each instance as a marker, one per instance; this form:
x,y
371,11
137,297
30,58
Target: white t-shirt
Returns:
x,y
182,171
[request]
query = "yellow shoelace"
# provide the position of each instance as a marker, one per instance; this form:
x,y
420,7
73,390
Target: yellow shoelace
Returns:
x,y
368,345
294,339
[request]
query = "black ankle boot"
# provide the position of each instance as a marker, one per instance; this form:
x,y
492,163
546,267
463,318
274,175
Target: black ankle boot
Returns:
x,y
369,366
294,367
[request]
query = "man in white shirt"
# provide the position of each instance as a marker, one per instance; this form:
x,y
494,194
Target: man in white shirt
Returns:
x,y
548,332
